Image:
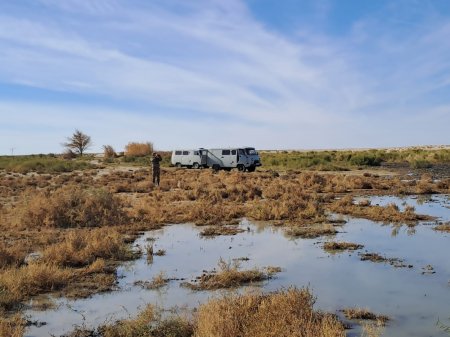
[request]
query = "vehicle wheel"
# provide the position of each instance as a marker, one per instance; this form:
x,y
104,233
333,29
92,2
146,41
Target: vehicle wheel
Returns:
x,y
178,164
251,168
195,166
241,168
216,167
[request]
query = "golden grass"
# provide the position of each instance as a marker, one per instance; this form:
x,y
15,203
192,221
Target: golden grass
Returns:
x,y
285,313
13,326
445,227
71,206
134,149
148,324
390,213
229,275
334,246
311,231
35,211
82,247
17,284
158,281
221,230
364,314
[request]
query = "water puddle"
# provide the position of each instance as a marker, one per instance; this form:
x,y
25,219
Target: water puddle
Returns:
x,y
414,300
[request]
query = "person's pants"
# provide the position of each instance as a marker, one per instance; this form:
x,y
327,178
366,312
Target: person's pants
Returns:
x,y
156,174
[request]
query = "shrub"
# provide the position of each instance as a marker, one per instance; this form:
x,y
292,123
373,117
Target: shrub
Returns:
x,y
109,152
420,164
83,248
71,207
12,327
17,284
284,313
134,149
363,159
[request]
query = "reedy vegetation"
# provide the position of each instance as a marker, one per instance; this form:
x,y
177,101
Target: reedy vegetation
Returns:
x,y
79,221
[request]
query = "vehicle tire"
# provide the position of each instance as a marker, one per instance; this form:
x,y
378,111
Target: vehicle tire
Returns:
x,y
241,168
195,166
178,165
216,167
251,168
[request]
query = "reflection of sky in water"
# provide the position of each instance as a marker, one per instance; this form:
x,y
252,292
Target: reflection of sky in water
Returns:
x,y
413,300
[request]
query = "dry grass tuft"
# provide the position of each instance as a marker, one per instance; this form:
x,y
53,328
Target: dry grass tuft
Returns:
x,y
11,256
311,232
229,275
364,314
334,246
221,230
13,326
71,206
149,324
158,281
373,329
134,149
284,313
82,247
390,213
17,284
445,227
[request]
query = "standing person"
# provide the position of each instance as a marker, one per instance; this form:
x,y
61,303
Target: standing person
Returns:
x,y
155,168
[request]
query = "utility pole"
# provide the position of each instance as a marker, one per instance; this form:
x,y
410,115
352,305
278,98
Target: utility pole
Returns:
x,y
12,151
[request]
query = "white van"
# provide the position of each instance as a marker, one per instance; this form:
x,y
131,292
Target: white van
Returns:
x,y
186,158
244,159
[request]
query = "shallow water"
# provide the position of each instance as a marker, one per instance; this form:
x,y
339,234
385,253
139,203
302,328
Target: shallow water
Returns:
x,y
413,300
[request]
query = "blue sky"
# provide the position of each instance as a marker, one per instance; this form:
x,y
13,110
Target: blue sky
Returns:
x,y
272,74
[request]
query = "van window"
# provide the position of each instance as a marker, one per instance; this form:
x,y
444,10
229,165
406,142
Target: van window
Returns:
x,y
195,153
233,152
178,153
225,152
185,153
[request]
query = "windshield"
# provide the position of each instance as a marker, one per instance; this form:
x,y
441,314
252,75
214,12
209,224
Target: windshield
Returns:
x,y
250,150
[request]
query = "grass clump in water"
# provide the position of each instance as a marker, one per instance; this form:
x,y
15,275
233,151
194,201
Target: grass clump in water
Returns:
x,y
158,281
221,230
148,323
334,246
285,313
311,232
445,227
364,314
17,284
229,275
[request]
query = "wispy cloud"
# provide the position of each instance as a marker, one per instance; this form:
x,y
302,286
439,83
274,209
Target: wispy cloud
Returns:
x,y
214,59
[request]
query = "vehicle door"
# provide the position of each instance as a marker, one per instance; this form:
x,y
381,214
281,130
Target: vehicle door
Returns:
x,y
203,157
242,157
186,158
226,158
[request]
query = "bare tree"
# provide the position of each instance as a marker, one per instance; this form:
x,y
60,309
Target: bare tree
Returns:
x,y
79,142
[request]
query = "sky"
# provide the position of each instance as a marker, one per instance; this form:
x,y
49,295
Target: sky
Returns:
x,y
291,74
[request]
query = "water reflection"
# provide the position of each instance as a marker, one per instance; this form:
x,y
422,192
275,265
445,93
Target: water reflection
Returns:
x,y
413,301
